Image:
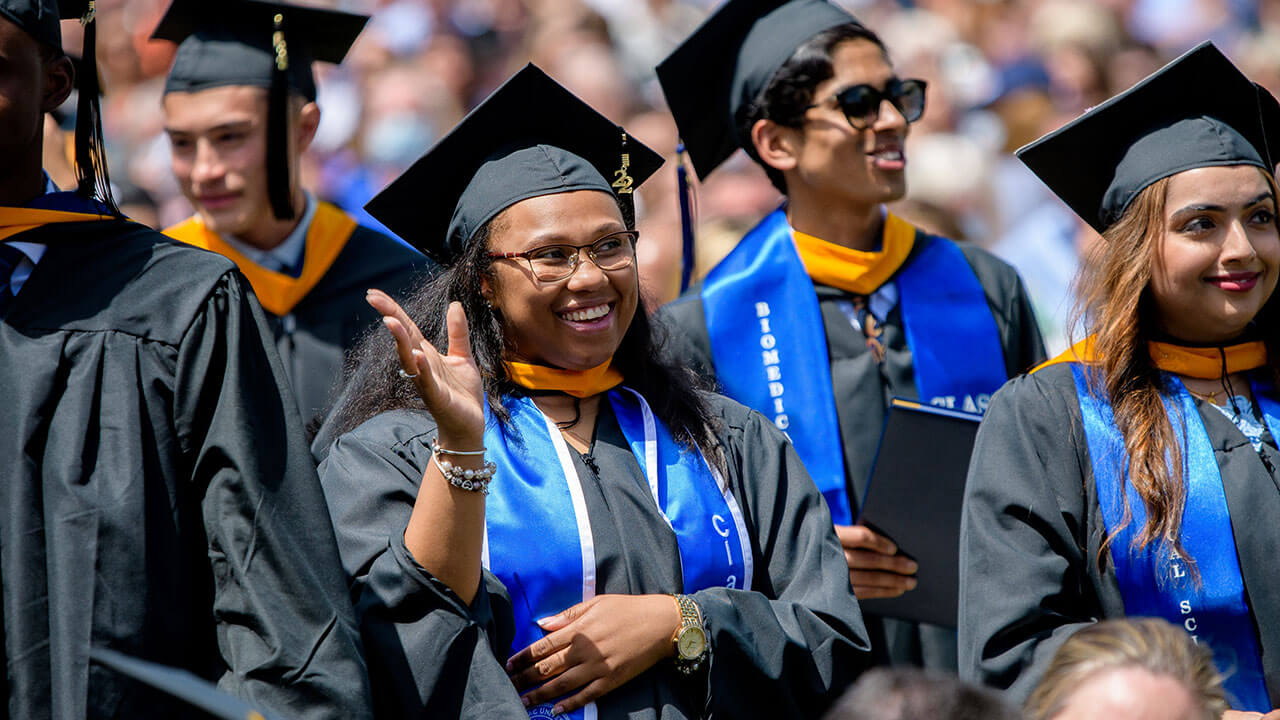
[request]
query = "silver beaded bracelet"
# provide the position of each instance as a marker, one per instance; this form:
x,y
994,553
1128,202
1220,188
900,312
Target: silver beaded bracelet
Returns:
x,y
467,479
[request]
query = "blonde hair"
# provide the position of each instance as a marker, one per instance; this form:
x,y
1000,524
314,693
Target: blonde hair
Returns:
x,y
1149,644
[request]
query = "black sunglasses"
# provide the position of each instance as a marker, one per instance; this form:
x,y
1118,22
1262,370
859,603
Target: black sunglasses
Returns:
x,y
861,103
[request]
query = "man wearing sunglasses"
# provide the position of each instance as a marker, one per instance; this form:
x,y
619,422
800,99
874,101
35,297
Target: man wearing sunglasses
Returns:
x,y
832,306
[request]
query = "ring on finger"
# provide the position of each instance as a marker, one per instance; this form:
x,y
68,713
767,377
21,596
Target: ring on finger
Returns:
x,y
406,375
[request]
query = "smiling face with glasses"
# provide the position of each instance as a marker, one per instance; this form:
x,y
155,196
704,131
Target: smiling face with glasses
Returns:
x,y
849,145
563,278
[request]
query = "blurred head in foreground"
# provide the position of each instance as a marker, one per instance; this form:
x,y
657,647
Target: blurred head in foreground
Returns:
x,y
1143,669
911,693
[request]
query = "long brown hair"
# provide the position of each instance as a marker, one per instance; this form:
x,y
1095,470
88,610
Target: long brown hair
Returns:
x,y
1150,644
1116,305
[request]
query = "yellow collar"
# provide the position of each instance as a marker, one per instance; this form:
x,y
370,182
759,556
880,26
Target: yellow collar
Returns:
x,y
14,221
1196,362
580,384
279,293
857,271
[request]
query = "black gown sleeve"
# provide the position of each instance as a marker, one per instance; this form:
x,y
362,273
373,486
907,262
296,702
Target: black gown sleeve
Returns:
x,y
285,626
1015,319
788,648
681,326
1024,346
1029,535
430,655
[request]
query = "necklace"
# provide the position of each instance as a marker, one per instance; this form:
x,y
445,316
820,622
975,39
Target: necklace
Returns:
x,y
1212,397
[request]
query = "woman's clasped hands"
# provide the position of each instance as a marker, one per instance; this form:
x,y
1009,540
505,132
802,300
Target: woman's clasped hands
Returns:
x,y
594,647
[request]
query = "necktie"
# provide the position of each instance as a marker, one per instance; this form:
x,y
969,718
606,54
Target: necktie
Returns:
x,y
10,258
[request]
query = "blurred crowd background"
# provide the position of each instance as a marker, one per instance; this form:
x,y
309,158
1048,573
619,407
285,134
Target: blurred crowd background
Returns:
x,y
1000,73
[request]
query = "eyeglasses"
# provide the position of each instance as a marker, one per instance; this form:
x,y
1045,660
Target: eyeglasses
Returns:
x,y
550,263
861,103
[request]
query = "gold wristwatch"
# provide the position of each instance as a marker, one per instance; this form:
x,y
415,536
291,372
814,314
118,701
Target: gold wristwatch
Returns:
x,y
690,639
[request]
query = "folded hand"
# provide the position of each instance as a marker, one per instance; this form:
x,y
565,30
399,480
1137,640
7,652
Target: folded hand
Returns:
x,y
595,646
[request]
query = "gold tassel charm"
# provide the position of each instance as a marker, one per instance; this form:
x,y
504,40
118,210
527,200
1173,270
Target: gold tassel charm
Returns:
x,y
277,42
622,178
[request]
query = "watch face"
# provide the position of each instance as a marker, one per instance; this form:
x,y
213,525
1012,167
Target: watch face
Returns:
x,y
692,643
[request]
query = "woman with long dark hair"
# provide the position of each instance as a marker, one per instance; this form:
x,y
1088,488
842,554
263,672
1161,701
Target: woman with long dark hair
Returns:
x,y
1136,474
521,478
849,304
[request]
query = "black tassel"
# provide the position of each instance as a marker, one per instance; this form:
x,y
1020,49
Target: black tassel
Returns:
x,y
278,184
685,190
92,179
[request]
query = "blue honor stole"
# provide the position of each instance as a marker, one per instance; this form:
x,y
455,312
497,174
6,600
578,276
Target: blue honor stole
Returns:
x,y
538,539
1154,581
769,345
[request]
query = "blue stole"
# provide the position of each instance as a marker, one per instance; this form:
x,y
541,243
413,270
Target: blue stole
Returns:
x,y
1154,581
761,299
538,538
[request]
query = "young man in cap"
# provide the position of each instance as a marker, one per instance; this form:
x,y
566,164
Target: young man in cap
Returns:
x,y
844,304
240,108
157,491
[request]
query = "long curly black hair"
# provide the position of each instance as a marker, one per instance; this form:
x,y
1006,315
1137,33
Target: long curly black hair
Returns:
x,y
675,393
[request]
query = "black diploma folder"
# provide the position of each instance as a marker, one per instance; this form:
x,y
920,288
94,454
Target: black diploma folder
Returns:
x,y
914,498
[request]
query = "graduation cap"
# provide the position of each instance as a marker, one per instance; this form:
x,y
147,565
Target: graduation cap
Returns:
x,y
1197,111
181,684
531,137
727,63
42,20
257,44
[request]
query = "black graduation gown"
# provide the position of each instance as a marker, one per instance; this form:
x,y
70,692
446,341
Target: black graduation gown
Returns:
x,y
1032,529
158,496
863,390
315,336
784,650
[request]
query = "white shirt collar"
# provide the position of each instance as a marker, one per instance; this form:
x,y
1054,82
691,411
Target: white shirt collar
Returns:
x,y
288,254
33,251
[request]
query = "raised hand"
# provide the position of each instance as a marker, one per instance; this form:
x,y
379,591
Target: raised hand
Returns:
x,y
445,533
594,647
449,384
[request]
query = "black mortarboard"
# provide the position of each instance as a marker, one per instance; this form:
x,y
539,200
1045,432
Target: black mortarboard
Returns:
x,y
40,18
531,137
1197,111
258,44
180,684
728,62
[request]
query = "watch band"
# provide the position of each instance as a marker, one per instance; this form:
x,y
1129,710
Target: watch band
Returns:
x,y
690,624
690,613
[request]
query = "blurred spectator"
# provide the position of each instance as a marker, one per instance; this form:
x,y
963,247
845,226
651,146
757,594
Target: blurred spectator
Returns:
x,y
1143,669
1000,73
910,694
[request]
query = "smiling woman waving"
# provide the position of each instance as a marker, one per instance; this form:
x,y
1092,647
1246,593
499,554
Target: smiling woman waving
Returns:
x,y
1136,474
533,506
